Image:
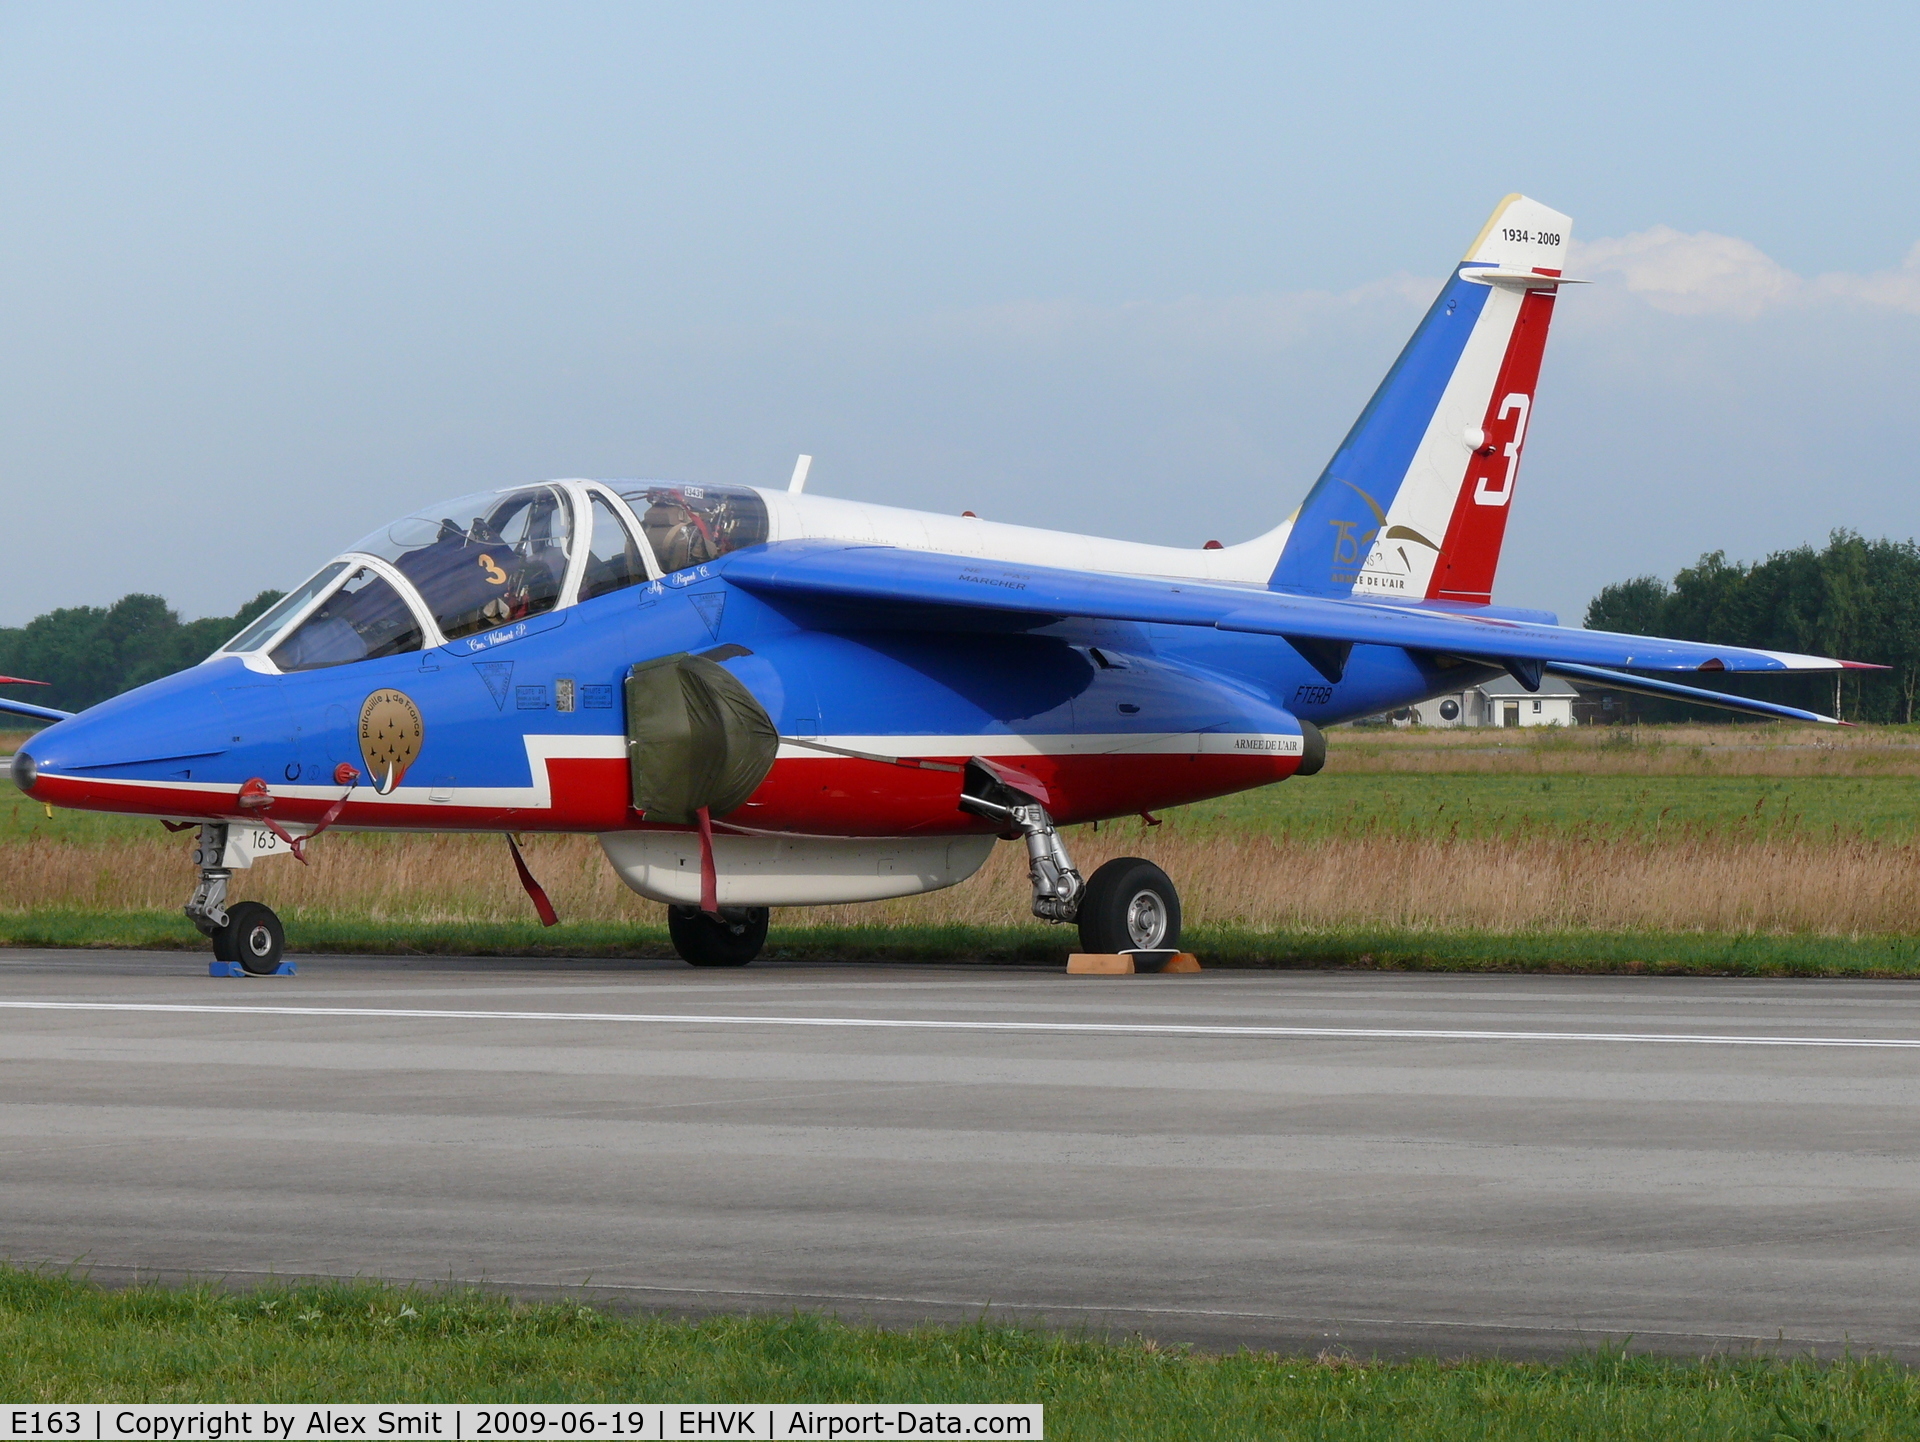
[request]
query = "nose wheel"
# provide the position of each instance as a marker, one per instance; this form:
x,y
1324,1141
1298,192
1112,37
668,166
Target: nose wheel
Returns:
x,y
253,937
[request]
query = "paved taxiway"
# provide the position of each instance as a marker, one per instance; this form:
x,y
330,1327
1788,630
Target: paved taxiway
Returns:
x,y
1387,1162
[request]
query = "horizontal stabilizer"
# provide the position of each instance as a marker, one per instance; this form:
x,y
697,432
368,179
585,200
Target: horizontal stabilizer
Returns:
x,y
1523,279
1595,676
878,580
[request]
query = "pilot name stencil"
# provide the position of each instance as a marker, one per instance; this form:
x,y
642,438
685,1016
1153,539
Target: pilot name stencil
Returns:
x,y
497,638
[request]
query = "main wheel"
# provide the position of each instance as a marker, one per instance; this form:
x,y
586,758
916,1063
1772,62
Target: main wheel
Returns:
x,y
253,937
1129,905
734,938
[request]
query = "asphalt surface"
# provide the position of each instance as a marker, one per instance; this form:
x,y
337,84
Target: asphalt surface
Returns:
x,y
1394,1164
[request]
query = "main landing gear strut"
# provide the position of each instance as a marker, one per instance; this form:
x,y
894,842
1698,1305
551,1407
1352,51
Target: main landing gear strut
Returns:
x,y
247,932
1127,905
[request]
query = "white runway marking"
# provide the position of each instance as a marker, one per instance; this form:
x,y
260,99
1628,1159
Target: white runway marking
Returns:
x,y
1069,1028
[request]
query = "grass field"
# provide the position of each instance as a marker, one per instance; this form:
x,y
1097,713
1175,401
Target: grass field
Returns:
x,y
1734,749
64,1340
1650,850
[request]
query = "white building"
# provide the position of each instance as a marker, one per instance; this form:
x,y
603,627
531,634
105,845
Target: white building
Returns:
x,y
1504,702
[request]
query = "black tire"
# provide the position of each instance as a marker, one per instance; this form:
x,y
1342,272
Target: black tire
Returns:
x,y
732,939
253,937
1129,905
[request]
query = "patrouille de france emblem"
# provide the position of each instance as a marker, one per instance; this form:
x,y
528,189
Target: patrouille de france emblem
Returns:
x,y
390,735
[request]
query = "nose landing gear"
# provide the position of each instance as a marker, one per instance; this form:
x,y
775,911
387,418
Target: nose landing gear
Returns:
x,y
248,933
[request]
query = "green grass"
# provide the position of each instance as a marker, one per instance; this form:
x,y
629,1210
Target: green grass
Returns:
x,y
1480,805
1596,952
64,1340
22,818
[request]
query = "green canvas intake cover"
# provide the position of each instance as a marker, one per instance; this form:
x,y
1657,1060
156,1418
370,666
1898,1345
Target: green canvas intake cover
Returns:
x,y
695,737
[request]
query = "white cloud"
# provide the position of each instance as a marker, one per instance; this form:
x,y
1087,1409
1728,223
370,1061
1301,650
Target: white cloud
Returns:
x,y
1894,289
1708,274
1700,274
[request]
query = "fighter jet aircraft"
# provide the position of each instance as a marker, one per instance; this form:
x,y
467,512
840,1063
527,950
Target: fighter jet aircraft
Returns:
x,y
764,698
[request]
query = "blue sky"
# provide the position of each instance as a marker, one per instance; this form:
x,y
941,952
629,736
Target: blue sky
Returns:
x,y
271,274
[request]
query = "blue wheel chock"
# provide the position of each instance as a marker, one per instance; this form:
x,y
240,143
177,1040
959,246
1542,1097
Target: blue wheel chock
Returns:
x,y
233,968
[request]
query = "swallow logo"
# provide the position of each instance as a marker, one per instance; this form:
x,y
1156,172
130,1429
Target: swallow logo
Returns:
x,y
391,734
1348,540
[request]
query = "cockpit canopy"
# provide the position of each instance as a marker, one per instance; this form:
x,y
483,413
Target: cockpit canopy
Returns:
x,y
485,559
688,525
495,557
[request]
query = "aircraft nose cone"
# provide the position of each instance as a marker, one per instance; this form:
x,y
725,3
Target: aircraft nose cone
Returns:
x,y
142,728
183,725
25,771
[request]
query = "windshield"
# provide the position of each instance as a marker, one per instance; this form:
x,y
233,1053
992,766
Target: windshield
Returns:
x,y
483,559
365,618
263,626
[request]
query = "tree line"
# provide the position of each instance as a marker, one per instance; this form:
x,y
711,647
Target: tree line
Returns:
x,y
1856,599
88,653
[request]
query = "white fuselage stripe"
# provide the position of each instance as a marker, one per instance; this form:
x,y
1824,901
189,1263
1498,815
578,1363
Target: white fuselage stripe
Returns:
x,y
1070,1028
543,748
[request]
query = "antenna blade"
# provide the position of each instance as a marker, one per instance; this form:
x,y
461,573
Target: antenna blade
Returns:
x,y
800,469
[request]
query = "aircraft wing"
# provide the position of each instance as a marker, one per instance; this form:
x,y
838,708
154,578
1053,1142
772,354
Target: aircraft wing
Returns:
x,y
11,707
1598,678
1322,629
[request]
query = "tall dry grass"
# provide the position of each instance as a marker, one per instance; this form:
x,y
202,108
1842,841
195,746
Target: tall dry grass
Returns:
x,y
1672,879
1677,881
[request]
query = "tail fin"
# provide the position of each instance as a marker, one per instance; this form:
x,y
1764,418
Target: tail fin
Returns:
x,y
1414,503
